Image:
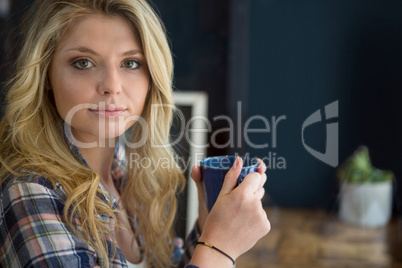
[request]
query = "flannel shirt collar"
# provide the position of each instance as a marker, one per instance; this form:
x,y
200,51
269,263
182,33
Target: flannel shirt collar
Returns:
x,y
117,171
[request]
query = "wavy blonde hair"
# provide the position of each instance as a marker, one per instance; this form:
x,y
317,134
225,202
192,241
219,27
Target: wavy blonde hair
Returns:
x,y
31,133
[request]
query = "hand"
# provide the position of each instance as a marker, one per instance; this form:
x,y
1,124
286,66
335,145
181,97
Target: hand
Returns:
x,y
237,220
202,207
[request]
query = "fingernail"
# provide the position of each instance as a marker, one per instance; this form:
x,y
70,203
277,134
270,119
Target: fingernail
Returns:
x,y
236,163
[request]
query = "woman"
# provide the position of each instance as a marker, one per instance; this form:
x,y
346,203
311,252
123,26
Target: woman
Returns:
x,y
89,75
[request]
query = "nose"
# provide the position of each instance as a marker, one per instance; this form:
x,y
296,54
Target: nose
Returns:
x,y
109,82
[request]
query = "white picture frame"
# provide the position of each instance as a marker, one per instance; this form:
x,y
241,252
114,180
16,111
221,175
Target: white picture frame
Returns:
x,y
198,102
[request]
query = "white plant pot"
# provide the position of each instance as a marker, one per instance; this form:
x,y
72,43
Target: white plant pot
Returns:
x,y
366,204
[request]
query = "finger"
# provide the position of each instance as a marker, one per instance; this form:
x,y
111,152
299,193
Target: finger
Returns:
x,y
202,208
260,193
263,179
196,174
251,183
230,181
197,178
261,168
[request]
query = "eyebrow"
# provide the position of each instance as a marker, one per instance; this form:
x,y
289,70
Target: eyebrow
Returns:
x,y
88,50
133,52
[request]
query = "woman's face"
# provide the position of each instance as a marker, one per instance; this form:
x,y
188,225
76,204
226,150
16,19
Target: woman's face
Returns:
x,y
99,77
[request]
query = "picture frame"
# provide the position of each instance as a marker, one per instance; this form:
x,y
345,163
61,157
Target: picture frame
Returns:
x,y
189,126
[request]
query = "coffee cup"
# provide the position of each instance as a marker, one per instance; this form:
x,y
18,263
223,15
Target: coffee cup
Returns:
x,y
213,172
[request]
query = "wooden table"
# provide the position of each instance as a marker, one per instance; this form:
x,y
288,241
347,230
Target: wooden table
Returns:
x,y
314,239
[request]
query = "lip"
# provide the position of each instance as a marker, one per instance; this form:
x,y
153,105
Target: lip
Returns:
x,y
108,111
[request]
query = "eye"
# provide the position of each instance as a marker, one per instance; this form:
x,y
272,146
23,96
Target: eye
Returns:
x,y
82,64
131,64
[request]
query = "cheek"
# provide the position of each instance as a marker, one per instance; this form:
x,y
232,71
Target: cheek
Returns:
x,y
137,105
62,100
67,94
137,96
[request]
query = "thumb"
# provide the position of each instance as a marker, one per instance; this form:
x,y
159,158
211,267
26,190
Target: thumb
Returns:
x,y
230,181
197,178
196,175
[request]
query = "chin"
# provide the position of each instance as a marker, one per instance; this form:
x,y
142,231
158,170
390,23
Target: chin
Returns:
x,y
106,135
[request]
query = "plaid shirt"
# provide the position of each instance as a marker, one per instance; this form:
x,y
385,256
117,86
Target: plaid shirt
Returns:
x,y
32,230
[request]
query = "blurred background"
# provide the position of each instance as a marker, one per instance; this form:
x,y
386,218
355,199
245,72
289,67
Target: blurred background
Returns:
x,y
282,61
291,58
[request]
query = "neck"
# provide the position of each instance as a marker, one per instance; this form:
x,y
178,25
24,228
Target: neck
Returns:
x,y
100,160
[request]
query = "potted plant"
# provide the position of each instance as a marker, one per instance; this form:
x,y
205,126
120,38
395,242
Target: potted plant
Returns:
x,y
365,191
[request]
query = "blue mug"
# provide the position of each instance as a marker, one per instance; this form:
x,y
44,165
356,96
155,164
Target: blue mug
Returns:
x,y
213,171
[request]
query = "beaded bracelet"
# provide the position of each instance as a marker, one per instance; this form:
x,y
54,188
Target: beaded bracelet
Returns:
x,y
217,249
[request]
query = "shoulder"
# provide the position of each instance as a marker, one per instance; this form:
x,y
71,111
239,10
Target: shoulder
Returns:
x,y
30,200
32,229
31,185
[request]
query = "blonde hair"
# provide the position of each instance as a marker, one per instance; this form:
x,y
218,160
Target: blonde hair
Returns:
x,y
31,134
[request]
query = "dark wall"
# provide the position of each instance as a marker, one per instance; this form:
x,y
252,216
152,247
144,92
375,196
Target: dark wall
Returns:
x,y
9,41
307,54
198,32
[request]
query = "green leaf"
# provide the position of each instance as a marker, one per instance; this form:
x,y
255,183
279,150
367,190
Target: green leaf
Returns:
x,y
358,169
